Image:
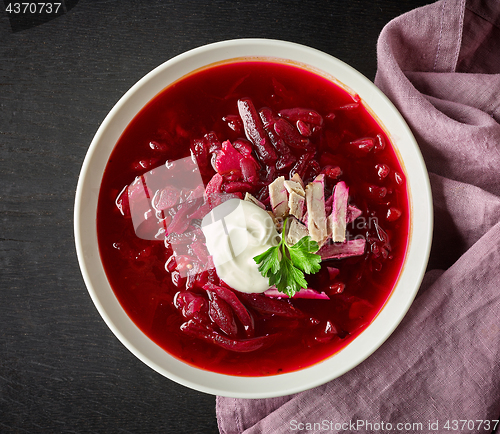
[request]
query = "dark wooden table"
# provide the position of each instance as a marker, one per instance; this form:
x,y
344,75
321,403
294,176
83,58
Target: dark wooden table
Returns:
x,y
61,368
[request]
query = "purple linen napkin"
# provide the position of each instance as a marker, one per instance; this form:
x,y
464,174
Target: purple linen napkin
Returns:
x,y
440,65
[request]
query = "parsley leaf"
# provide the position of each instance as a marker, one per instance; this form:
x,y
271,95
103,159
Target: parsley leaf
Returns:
x,y
269,262
285,265
303,256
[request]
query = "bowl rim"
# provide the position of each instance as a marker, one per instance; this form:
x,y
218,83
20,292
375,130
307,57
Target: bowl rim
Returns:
x,y
394,310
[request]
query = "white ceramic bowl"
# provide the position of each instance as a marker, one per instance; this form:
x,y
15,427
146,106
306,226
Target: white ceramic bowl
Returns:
x,y
251,387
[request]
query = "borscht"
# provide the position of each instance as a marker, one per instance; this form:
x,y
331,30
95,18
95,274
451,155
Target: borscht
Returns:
x,y
253,218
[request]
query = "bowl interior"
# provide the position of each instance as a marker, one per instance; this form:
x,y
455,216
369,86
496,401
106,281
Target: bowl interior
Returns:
x,y
88,191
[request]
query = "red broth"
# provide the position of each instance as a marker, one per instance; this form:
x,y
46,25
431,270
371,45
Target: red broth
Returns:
x,y
206,102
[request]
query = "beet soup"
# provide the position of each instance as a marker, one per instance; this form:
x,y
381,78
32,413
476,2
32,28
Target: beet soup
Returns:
x,y
218,134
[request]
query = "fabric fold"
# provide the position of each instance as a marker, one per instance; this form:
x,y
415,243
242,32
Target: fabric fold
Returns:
x,y
440,66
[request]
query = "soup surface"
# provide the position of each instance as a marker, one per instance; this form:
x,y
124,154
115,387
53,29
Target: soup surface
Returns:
x,y
152,200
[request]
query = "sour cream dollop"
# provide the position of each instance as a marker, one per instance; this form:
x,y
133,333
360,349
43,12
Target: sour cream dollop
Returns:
x,y
236,231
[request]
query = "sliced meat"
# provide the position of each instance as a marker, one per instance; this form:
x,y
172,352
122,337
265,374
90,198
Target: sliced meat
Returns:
x,y
295,231
316,214
278,197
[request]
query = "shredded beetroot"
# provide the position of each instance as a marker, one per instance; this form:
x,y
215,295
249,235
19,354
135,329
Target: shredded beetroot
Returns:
x,y
236,186
199,251
313,169
377,192
332,172
379,143
214,186
286,158
336,288
361,147
393,214
301,165
353,213
244,147
327,332
267,116
272,306
254,131
290,134
332,272
180,222
239,309
166,198
303,128
237,345
228,159
213,144
234,122
221,314
249,168
382,171
200,212
199,149
304,115
185,237
192,306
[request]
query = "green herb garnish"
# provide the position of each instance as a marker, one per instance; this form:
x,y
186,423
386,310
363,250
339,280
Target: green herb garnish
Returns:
x,y
285,265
